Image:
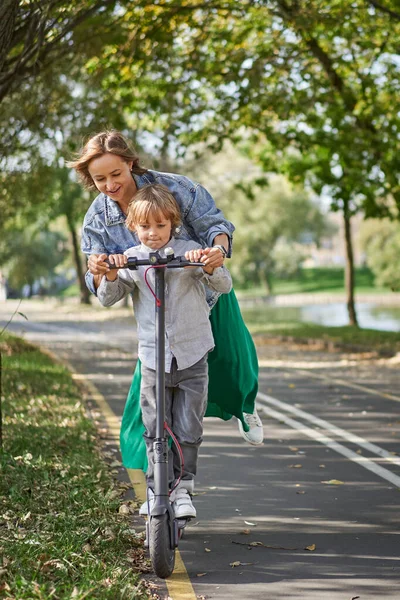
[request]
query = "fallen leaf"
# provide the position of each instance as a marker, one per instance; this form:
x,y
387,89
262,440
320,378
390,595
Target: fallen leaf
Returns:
x,y
116,463
256,544
85,548
298,466
124,509
264,546
300,492
245,531
291,385
207,550
236,563
333,482
310,548
321,466
201,574
293,448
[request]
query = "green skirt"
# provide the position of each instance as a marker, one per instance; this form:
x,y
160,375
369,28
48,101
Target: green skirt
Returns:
x,y
233,380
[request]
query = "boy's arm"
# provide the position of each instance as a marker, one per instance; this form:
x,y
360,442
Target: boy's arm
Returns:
x,y
219,281
114,286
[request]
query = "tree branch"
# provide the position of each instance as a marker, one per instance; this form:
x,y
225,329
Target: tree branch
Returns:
x,y
384,9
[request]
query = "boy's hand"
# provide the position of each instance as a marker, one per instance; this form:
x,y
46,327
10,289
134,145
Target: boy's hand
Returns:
x,y
119,260
194,255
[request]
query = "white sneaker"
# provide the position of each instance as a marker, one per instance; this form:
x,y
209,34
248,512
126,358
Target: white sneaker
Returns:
x,y
182,504
255,435
144,509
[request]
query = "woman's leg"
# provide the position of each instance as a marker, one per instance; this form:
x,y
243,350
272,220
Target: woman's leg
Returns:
x,y
133,448
233,364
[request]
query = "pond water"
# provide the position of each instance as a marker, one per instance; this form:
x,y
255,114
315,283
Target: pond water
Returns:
x,y
370,316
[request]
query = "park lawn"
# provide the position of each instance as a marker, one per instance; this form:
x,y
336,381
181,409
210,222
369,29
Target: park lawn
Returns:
x,y
62,534
384,342
329,280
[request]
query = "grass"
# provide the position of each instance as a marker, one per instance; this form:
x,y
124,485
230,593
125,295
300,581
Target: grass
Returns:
x,y
61,533
385,342
320,280
70,292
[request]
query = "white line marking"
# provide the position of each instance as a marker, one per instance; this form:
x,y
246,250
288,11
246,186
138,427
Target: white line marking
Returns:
x,y
347,435
339,448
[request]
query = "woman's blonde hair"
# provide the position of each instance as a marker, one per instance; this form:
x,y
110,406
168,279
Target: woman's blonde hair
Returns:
x,y
106,142
155,201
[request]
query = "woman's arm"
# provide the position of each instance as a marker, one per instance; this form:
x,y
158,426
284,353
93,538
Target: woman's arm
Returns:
x,y
208,221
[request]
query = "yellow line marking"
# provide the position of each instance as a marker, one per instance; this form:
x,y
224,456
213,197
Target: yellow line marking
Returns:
x,y
138,481
179,585
355,386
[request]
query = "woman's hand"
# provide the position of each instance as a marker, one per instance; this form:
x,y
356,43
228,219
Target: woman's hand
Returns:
x,y
212,259
96,264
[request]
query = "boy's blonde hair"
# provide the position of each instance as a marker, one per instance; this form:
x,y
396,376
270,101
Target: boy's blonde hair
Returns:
x,y
153,200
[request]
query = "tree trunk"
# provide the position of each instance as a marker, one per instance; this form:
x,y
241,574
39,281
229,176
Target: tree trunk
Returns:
x,y
349,269
84,292
265,278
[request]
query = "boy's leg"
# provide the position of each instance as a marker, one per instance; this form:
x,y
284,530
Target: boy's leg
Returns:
x,y
188,408
148,406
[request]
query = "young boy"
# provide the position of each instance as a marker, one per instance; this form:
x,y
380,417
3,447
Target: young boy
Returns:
x,y
154,215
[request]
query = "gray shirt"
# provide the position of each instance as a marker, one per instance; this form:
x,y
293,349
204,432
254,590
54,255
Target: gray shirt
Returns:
x,y
188,335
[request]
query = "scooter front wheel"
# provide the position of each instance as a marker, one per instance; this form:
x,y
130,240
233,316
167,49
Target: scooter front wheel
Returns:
x,y
162,555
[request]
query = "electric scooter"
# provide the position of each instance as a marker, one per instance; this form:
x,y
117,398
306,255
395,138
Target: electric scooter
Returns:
x,y
163,530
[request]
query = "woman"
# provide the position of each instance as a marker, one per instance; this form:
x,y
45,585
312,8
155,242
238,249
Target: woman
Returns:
x,y
109,164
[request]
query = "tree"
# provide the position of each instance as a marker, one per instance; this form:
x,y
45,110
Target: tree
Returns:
x,y
35,35
319,78
269,213
31,254
380,240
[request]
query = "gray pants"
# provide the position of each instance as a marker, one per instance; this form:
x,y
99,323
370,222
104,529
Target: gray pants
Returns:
x,y
185,405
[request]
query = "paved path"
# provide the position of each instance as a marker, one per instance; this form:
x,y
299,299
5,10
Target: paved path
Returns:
x,y
330,485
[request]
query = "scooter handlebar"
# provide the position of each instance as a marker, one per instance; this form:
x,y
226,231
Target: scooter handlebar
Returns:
x,y
156,260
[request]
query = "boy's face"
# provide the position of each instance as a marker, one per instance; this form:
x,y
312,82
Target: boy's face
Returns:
x,y
154,234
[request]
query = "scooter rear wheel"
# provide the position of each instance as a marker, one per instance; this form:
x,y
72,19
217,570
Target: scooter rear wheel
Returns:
x,y
161,554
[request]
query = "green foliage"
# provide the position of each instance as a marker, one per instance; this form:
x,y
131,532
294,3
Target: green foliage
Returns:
x,y
381,242
315,81
287,259
31,254
270,214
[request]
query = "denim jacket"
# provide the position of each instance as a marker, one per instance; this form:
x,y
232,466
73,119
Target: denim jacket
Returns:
x,y
104,229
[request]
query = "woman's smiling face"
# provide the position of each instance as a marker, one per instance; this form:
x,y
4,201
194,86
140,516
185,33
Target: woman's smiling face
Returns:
x,y
112,176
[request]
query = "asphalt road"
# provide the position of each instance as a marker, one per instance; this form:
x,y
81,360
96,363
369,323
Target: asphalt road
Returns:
x,y
311,514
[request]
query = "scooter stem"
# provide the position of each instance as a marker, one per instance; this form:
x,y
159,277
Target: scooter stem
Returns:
x,y
160,350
